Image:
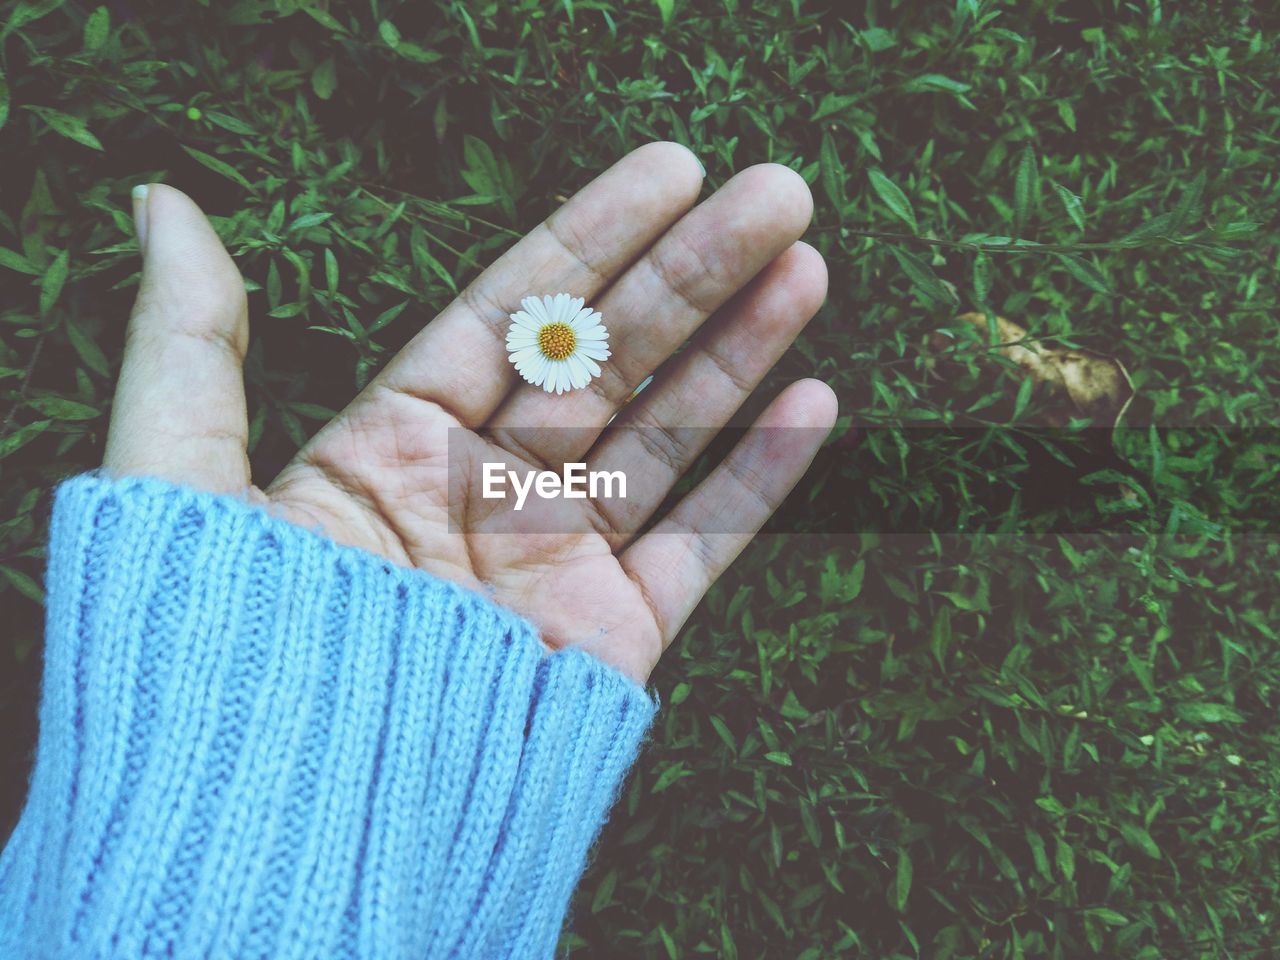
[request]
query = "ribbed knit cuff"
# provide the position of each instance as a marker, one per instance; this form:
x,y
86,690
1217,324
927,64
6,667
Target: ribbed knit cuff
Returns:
x,y
256,743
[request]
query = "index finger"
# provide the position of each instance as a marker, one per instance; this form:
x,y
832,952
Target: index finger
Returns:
x,y
459,360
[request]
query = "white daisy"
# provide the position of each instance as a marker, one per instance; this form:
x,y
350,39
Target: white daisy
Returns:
x,y
555,342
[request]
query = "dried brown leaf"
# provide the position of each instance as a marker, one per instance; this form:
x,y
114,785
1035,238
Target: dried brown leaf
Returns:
x,y
1092,384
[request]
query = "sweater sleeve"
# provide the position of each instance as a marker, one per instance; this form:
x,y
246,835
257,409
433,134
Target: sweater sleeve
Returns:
x,y
256,743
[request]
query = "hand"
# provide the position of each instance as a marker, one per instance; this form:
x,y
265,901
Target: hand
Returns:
x,y
376,477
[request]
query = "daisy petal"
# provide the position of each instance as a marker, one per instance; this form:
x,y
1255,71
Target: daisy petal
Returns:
x,y
583,367
586,336
536,308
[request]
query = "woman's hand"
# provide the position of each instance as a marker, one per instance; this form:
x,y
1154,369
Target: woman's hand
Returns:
x,y
377,476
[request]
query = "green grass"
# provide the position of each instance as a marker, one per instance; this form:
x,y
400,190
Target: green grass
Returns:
x,y
875,744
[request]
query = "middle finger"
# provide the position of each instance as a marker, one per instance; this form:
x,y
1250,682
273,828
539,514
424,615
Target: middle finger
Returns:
x,y
711,253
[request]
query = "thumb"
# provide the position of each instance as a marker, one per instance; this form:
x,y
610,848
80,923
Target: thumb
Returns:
x,y
179,410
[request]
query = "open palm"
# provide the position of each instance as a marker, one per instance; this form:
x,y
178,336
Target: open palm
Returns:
x,y
728,275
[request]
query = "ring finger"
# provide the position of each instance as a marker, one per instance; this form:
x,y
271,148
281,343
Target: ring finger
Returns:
x,y
659,434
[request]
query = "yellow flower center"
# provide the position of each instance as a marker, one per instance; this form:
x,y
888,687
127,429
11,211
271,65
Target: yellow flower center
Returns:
x,y
556,341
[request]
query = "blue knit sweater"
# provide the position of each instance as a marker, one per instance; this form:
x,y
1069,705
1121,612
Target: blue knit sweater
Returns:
x,y
256,743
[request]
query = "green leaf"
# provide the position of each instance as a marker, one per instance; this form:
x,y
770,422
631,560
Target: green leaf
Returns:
x,y
220,167
852,585
275,285
425,262
1157,226
835,103
1108,916
97,28
227,122
723,732
411,51
982,270
306,221
22,436
1140,838
792,708
1026,189
893,198
330,271
325,19
673,952
1065,857
23,583
1023,398
833,175
922,277
670,775
1073,205
12,260
1085,271
472,33
1142,671
61,408
387,316
88,351
1237,229
1067,114
877,39
389,34
293,427
324,79
313,411
73,128
940,635
936,81
28,12
440,118
666,8
300,267
1052,806
1038,853
52,282
902,888
1208,713
481,171
4,101
1189,204
604,892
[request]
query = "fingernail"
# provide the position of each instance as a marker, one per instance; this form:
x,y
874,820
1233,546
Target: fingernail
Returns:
x,y
140,214
701,166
